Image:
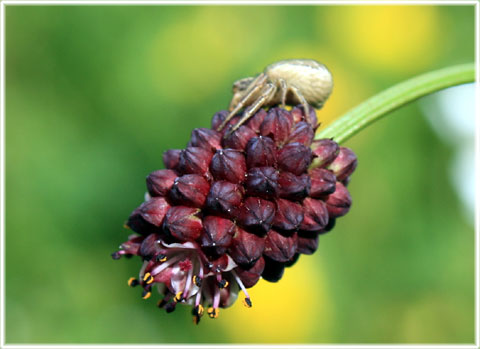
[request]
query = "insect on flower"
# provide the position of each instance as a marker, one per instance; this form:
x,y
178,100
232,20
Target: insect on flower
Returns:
x,y
294,81
245,198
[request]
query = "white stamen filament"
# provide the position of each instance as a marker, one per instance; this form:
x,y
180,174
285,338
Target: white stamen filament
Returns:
x,y
166,264
188,283
240,283
199,297
216,298
200,275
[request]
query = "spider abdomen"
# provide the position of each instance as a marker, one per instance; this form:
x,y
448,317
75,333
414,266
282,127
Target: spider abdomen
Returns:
x,y
311,78
295,81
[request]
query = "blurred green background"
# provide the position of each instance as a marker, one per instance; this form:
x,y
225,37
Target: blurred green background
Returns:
x,y
95,94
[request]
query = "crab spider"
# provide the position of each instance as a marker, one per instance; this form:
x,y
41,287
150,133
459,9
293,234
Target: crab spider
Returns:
x,y
296,81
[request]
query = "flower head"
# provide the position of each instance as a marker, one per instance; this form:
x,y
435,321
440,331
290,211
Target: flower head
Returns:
x,y
232,208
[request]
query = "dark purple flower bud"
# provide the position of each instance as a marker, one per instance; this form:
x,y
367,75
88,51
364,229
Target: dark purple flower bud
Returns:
x,y
218,118
294,259
183,224
288,216
324,152
330,225
307,243
273,270
293,187
154,210
344,164
338,203
150,247
217,235
257,120
313,120
345,181
322,182
262,182
280,248
302,133
140,225
251,276
294,158
218,264
298,116
190,190
257,214
228,165
159,182
277,125
260,152
195,160
238,140
229,126
246,248
224,197
147,218
315,215
171,158
205,138
130,247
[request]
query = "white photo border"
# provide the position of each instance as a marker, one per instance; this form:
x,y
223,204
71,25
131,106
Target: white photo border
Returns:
x,y
4,4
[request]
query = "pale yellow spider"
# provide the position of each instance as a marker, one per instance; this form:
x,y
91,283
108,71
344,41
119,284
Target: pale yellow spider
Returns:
x,y
294,81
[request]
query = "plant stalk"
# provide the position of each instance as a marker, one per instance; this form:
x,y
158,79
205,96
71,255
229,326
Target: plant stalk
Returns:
x,y
395,97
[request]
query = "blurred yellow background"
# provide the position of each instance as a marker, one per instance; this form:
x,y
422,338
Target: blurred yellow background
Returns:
x,y
95,94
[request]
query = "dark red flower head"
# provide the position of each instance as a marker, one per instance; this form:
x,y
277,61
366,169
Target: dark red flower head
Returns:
x,y
232,208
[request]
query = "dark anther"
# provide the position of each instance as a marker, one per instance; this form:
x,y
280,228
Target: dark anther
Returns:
x,y
178,297
247,302
223,283
160,258
161,303
132,282
170,307
198,310
148,278
197,280
146,294
213,312
116,255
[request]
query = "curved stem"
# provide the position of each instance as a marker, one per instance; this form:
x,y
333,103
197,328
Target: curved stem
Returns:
x,y
395,97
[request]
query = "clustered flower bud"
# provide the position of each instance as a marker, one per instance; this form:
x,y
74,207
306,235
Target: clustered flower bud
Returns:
x,y
232,208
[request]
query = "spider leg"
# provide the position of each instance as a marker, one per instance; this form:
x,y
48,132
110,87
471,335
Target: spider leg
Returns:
x,y
283,86
267,94
304,102
259,80
231,105
256,86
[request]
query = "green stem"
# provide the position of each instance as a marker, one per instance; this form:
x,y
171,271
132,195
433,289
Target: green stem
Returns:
x,y
395,97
